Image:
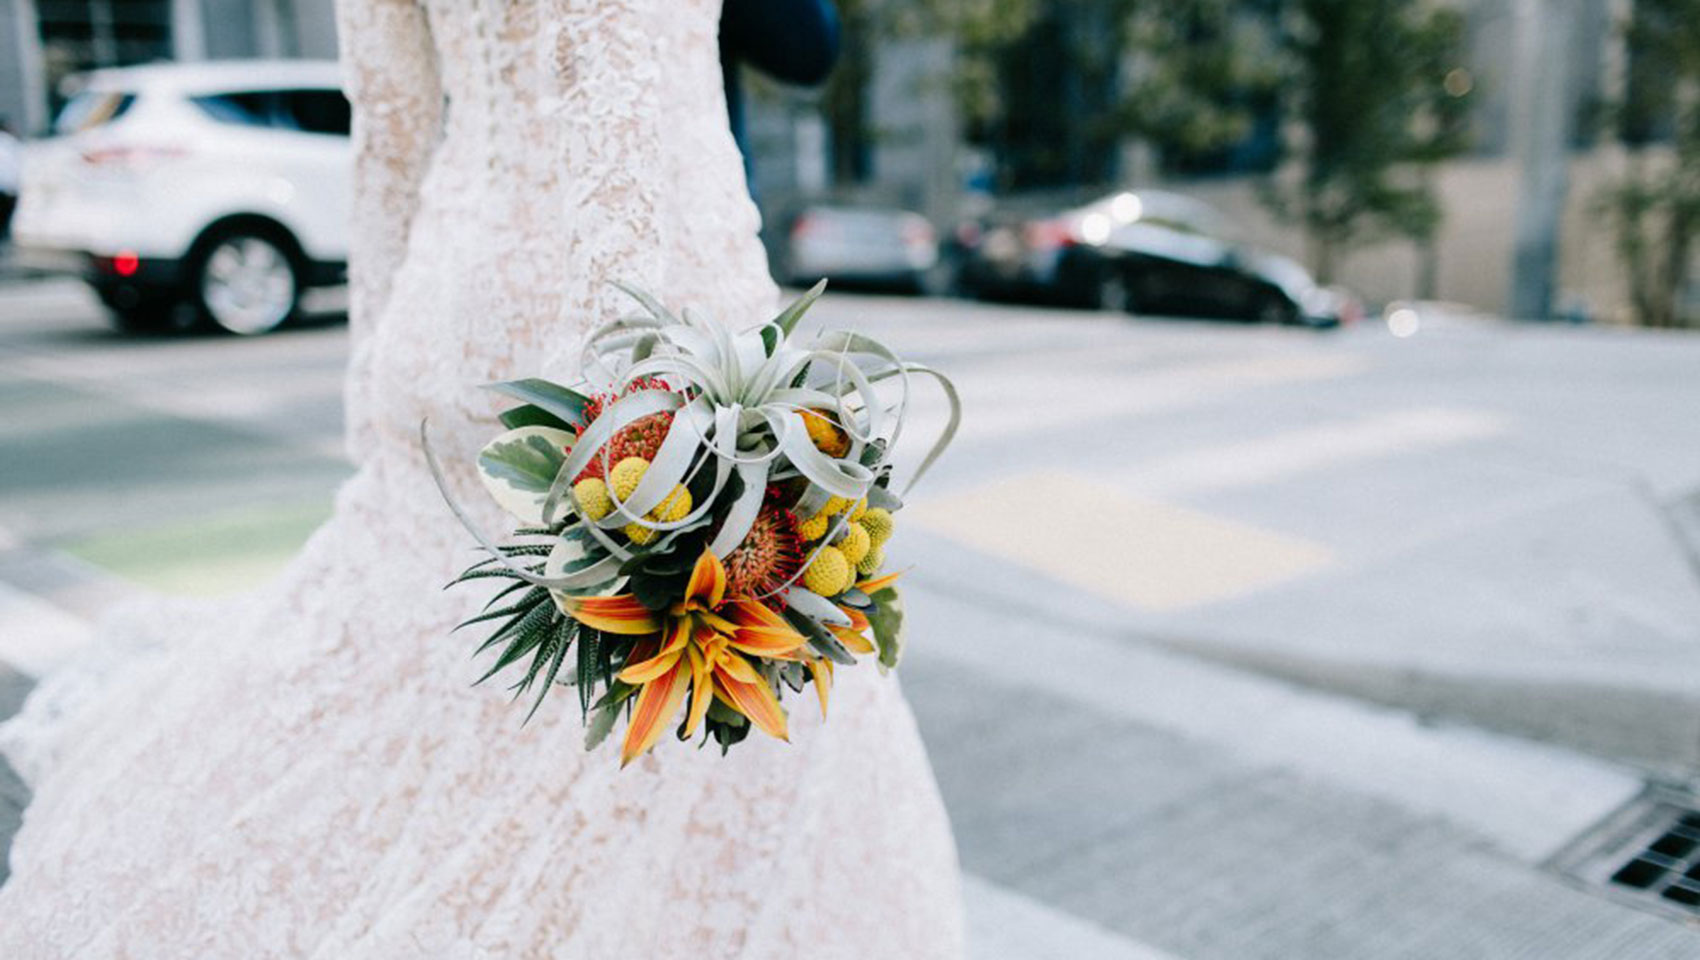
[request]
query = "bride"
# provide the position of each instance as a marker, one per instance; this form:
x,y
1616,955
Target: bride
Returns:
x,y
308,772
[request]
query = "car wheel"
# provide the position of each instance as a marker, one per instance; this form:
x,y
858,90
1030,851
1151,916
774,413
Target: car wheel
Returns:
x,y
1277,310
246,282
1112,292
939,280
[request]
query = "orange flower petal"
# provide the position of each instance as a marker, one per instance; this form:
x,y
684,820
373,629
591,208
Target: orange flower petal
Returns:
x,y
708,580
767,643
879,583
647,670
738,668
656,705
858,620
622,614
753,700
702,692
752,613
821,670
852,640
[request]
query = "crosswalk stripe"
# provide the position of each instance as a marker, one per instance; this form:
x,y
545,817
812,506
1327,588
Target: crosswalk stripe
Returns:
x,y
1279,456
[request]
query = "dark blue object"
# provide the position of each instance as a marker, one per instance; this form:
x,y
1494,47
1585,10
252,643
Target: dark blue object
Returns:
x,y
793,41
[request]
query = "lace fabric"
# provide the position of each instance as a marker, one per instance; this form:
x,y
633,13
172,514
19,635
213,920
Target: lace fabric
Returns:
x,y
305,771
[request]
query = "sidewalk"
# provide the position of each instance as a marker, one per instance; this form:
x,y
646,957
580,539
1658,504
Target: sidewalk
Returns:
x,y
1214,814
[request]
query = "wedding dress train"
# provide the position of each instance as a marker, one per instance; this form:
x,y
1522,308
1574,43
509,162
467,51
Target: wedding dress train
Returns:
x,y
306,772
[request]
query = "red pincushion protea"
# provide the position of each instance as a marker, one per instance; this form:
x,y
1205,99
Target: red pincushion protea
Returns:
x,y
640,438
767,559
593,408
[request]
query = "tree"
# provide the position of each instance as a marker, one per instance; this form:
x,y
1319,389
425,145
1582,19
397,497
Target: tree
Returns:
x,y
1373,99
1655,207
1368,95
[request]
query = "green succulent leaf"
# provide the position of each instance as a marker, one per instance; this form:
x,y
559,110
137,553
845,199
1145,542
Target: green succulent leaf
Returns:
x,y
532,415
568,405
525,459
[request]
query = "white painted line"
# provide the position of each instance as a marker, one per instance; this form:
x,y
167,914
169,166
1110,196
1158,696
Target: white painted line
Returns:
x,y
1280,456
36,636
1055,395
1528,797
1005,925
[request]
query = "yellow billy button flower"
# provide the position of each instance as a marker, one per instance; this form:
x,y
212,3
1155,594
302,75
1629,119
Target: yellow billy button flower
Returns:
x,y
855,543
829,573
813,528
835,506
702,647
870,564
624,477
879,524
591,494
674,508
858,510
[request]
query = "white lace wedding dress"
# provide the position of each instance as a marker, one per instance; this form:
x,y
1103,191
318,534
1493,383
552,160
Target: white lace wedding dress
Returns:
x,y
307,772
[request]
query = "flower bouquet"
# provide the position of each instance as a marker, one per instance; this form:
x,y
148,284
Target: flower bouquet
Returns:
x,y
701,522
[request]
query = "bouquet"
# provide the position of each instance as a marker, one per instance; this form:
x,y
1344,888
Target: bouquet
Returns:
x,y
700,523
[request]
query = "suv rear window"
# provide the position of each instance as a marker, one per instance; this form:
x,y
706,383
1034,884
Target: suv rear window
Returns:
x,y
239,109
317,111
90,109
309,111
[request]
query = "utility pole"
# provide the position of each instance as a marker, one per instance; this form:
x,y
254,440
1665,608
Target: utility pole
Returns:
x,y
1543,112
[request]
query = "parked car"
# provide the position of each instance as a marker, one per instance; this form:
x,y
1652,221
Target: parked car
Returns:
x,y
1148,252
860,246
222,187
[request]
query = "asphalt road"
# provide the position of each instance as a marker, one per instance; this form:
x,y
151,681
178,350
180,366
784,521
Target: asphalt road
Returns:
x,y
1327,617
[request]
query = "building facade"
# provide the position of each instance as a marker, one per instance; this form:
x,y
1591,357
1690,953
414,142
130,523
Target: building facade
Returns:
x,y
43,41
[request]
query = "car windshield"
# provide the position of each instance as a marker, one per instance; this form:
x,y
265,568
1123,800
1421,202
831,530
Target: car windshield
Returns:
x,y
90,109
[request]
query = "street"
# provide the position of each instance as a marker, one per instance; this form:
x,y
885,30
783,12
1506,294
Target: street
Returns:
x,y
1228,641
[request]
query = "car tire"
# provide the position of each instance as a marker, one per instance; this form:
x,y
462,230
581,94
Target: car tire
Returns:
x,y
135,311
939,280
245,280
1112,291
1275,310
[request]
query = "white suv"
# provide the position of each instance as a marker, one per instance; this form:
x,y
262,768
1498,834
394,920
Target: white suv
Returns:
x,y
183,193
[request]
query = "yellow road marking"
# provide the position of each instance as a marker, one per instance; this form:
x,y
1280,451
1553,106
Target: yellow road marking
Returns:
x,y
1129,549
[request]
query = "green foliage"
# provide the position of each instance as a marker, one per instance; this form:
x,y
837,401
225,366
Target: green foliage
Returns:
x,y
1368,95
568,405
531,415
1202,69
529,463
887,621
1654,208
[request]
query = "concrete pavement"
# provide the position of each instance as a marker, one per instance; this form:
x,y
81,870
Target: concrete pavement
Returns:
x,y
1483,522
1370,516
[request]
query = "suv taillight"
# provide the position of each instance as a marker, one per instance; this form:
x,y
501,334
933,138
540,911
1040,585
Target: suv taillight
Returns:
x,y
1047,235
115,157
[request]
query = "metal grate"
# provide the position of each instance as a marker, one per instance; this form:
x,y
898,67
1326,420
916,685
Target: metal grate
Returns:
x,y
1646,854
1669,865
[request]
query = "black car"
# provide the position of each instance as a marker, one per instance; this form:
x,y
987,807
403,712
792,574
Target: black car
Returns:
x,y
1147,252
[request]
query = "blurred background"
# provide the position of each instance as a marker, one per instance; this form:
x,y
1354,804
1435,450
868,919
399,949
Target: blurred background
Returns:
x,y
1330,369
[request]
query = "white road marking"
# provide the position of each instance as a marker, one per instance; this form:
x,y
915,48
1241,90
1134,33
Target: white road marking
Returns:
x,y
1280,456
1003,400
